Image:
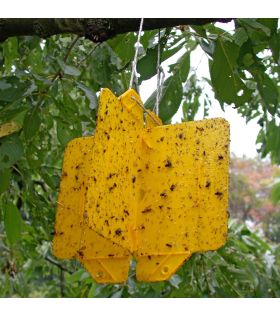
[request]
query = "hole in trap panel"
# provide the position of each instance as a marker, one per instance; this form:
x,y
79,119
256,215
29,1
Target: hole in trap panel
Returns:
x,y
165,270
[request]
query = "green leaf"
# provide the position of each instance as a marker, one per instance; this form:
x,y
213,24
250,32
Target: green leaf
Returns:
x,y
65,133
240,36
199,29
262,245
12,88
76,276
68,70
13,222
14,112
227,84
172,90
269,23
256,25
118,293
190,109
69,106
123,46
274,43
32,122
248,60
147,66
5,176
51,180
148,38
167,53
171,98
90,94
183,66
208,46
11,151
271,141
269,91
10,51
102,67
275,194
91,291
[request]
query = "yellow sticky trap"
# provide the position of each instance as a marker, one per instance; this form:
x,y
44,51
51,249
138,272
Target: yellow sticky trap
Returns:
x,y
158,193
73,236
183,205
111,201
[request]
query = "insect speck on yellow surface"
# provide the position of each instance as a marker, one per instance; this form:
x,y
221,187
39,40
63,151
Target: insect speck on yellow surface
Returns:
x,y
155,192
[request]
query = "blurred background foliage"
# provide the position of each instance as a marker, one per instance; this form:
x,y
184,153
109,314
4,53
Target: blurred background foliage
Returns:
x,y
49,94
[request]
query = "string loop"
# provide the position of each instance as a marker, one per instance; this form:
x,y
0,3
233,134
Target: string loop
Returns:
x,y
160,77
160,72
133,77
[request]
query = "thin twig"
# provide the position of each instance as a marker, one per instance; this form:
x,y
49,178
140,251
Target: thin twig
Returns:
x,y
18,171
51,167
41,184
61,277
70,48
57,264
88,55
224,277
205,273
58,74
3,247
144,109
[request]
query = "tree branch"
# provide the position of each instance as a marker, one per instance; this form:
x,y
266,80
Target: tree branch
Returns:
x,y
97,30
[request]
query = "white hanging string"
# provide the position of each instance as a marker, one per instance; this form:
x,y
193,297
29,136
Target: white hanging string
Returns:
x,y
160,75
133,77
160,78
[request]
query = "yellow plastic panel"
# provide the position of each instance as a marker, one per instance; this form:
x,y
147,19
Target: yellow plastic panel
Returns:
x,y
108,270
105,261
183,200
159,268
94,245
73,236
111,200
70,208
183,204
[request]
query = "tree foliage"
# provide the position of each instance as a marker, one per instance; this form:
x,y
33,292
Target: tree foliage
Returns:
x,y
251,189
49,95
